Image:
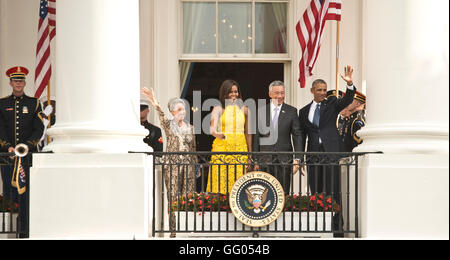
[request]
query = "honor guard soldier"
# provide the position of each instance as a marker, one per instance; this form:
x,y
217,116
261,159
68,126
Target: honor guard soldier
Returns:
x,y
350,121
154,138
21,122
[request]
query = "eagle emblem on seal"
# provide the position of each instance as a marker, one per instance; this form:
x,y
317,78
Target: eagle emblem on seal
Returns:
x,y
257,197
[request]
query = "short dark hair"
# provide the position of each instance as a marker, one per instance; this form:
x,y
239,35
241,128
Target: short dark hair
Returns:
x,y
318,81
144,107
225,90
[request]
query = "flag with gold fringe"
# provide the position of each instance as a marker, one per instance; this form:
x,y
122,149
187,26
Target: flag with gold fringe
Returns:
x,y
19,176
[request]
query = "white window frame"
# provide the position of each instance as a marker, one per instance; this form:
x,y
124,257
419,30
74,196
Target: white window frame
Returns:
x,y
244,56
285,58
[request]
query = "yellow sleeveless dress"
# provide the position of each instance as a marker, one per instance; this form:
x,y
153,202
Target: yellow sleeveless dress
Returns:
x,y
226,169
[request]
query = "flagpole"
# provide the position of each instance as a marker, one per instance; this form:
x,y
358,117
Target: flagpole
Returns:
x,y
49,116
337,56
49,103
49,97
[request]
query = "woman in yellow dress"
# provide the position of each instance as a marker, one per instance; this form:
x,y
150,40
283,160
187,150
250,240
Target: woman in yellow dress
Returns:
x,y
230,126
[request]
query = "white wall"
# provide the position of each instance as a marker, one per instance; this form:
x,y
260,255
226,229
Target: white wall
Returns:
x,y
18,31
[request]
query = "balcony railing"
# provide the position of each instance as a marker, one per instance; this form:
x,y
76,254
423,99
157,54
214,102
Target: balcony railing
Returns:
x,y
323,200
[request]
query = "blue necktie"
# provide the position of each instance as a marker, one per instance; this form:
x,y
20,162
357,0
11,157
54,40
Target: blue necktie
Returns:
x,y
316,118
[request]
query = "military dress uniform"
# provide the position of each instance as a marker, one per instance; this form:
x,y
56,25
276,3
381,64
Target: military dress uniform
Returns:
x,y
21,122
154,138
348,126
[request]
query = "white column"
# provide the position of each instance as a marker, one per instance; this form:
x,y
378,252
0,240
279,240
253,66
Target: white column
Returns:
x,y
97,77
406,68
91,187
404,192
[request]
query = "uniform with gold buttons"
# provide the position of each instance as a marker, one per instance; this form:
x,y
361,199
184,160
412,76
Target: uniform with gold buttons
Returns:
x,y
21,122
348,126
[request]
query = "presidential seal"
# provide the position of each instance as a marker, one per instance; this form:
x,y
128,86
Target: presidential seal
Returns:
x,y
257,199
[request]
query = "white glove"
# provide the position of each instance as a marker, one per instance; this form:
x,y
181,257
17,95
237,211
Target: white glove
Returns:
x,y
48,110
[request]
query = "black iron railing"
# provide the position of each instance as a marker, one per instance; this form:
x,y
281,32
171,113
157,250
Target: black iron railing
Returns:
x,y
185,200
323,200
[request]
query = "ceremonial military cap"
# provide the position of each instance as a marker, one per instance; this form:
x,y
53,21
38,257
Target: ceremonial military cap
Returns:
x,y
360,97
144,105
331,93
17,72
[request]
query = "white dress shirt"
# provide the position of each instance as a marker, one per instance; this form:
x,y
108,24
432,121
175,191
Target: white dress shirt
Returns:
x,y
312,110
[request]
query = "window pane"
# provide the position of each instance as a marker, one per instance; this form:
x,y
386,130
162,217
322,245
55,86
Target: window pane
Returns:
x,y
271,28
199,28
235,27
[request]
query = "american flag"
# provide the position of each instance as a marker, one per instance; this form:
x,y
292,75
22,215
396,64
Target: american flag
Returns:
x,y
46,32
309,32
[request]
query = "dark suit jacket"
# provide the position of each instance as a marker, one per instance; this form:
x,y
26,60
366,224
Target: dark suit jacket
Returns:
x,y
327,129
283,138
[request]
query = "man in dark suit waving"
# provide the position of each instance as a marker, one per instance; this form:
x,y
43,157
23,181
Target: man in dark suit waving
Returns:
x,y
278,130
318,119
318,126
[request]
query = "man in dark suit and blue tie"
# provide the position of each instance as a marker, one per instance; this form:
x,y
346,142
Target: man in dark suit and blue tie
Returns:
x,y
318,126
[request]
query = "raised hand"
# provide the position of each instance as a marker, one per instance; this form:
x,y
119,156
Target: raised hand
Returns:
x,y
348,75
148,93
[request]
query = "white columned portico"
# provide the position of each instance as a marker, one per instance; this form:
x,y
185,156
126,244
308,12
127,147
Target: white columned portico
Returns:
x,y
404,193
91,186
98,78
